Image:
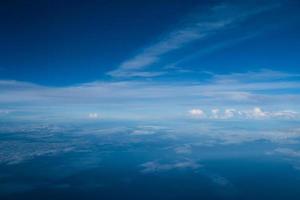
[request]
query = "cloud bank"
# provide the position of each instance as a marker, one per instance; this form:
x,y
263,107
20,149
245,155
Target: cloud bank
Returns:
x,y
223,96
255,113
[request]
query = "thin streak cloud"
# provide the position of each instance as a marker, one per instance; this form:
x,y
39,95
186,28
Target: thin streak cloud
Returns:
x,y
219,18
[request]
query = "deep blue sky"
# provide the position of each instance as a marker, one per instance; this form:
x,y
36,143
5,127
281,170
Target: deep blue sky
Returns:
x,y
67,42
42,41
93,59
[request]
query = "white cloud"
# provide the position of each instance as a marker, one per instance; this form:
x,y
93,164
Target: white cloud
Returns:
x,y
285,114
93,115
256,113
226,114
229,113
197,113
215,113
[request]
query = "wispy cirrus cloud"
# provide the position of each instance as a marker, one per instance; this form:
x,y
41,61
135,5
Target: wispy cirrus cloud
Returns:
x,y
208,23
254,76
288,152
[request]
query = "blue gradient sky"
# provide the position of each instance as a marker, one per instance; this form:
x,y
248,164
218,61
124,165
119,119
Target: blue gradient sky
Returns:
x,y
189,59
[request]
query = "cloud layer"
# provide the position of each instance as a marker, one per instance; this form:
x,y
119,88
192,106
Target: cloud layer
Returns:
x,y
219,97
255,113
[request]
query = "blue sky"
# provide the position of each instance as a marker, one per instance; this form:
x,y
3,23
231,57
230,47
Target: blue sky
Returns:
x,y
94,60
